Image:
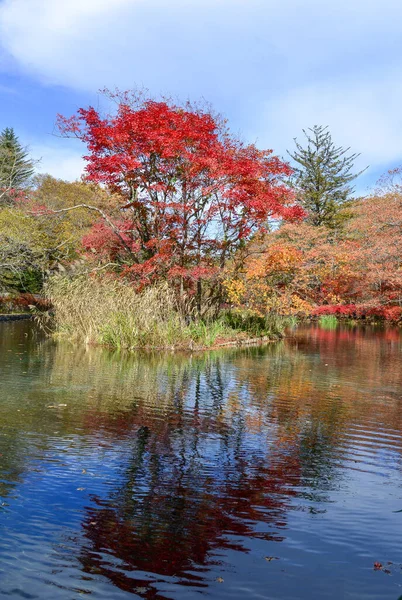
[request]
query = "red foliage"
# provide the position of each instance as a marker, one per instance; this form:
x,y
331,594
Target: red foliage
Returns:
x,y
108,246
23,302
190,192
356,311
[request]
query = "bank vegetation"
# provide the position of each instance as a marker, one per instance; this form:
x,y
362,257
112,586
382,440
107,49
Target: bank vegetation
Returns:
x,y
181,235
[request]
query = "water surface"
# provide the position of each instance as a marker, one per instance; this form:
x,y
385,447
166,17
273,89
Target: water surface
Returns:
x,y
271,473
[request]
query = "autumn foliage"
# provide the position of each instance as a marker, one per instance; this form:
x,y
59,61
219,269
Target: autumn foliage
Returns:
x,y
195,203
190,193
171,198
303,269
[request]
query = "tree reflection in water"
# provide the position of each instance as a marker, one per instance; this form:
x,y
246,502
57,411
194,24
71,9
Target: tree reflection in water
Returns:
x,y
196,458
196,484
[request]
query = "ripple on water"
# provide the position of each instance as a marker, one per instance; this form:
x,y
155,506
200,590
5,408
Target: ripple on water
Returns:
x,y
261,473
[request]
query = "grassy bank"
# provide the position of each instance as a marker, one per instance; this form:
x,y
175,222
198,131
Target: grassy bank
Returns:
x,y
109,312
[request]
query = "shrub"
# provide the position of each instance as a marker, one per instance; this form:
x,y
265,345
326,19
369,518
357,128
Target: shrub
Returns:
x,y
361,311
23,303
328,321
254,324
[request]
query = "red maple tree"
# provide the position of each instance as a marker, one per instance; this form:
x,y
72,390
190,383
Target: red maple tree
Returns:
x,y
190,192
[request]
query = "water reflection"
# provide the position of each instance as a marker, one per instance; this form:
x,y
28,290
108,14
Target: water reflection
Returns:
x,y
153,475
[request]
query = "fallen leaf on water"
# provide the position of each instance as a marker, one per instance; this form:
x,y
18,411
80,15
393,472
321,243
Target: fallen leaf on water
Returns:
x,y
269,558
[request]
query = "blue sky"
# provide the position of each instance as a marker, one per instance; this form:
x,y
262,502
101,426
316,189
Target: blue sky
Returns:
x,y
271,67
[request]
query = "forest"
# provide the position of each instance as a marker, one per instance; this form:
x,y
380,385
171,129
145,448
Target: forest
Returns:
x,y
180,234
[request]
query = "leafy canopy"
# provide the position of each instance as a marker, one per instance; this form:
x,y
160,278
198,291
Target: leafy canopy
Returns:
x,y
300,267
190,192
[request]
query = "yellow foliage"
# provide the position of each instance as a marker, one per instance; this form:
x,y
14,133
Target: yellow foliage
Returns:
x,y
235,289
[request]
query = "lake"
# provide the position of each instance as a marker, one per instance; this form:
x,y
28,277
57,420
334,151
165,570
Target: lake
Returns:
x,y
270,473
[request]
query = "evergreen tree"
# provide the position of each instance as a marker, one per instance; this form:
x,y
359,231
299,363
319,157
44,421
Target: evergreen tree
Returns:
x,y
16,167
322,176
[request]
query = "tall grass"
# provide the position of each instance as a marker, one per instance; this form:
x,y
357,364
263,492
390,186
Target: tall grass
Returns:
x,y
109,312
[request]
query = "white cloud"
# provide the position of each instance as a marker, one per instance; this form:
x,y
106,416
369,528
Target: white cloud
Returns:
x,y
358,113
272,67
91,43
62,163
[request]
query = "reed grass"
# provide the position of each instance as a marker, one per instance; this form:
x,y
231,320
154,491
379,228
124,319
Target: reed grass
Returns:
x,y
109,312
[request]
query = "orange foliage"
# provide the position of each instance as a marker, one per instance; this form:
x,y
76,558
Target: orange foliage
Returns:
x,y
301,267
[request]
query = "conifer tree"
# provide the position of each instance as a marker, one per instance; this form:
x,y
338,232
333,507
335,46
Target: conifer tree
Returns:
x,y
322,176
16,167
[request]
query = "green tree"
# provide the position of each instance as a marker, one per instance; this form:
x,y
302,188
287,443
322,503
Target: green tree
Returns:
x,y
41,235
322,175
16,167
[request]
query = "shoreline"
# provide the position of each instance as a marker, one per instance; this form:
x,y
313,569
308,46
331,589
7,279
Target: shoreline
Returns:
x,y
16,317
186,348
190,348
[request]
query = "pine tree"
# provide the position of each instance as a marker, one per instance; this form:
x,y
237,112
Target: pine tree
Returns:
x,y
16,167
322,176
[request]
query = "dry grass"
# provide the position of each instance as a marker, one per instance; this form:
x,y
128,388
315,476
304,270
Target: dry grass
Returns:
x,y
109,312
